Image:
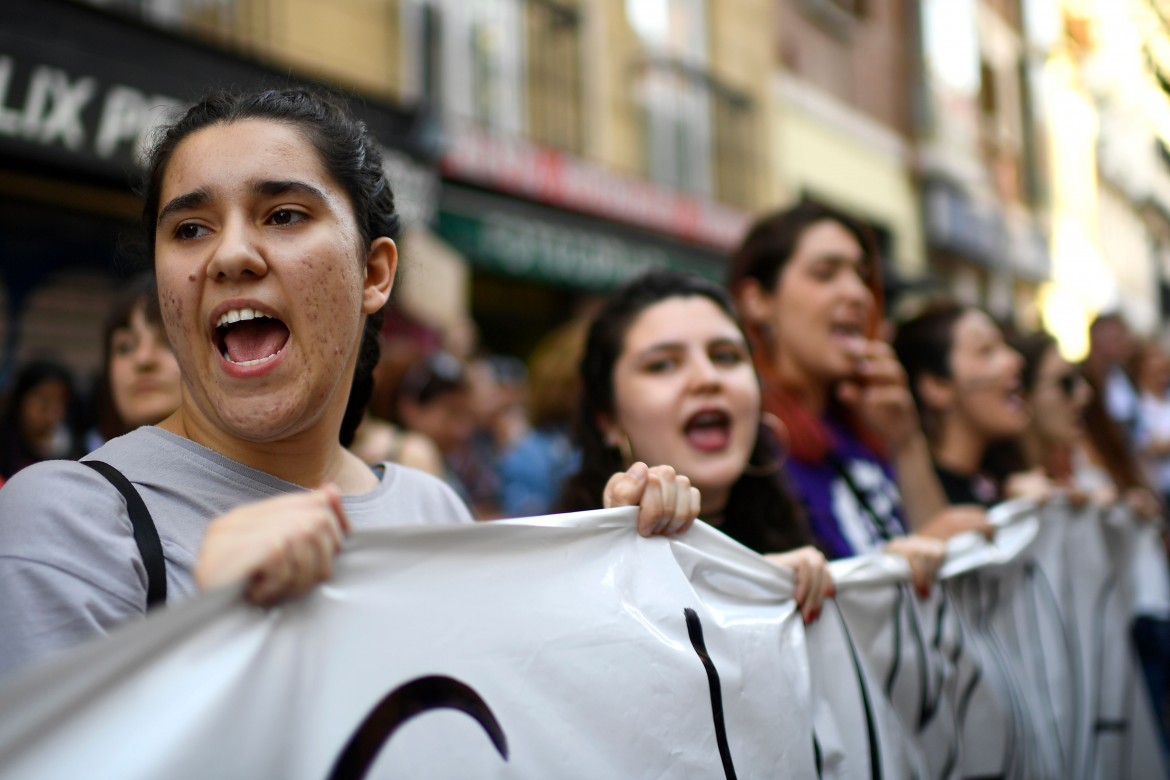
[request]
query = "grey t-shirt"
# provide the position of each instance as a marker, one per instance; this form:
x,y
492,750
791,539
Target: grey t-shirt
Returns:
x,y
69,566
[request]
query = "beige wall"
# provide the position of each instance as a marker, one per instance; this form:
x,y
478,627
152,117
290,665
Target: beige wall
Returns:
x,y
867,64
739,55
832,162
356,43
742,57
616,138
352,43
840,113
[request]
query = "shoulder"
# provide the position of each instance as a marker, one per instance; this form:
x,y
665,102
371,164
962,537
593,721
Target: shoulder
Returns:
x,y
407,496
67,517
60,488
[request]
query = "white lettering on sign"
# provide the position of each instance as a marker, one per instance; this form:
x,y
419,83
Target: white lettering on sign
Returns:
x,y
9,119
129,116
54,104
65,106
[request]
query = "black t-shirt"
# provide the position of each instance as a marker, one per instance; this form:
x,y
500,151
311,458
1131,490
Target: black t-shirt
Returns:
x,y
967,488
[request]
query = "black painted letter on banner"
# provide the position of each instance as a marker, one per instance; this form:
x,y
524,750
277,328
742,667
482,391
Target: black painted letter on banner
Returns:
x,y
695,630
400,705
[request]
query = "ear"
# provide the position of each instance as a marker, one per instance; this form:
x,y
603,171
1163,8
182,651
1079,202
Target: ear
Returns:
x,y
936,393
755,303
381,263
611,434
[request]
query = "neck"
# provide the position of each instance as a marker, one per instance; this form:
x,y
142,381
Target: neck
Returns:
x,y
712,504
959,449
1038,451
807,391
309,459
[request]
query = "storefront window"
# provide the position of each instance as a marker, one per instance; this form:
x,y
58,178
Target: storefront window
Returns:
x,y
475,60
672,93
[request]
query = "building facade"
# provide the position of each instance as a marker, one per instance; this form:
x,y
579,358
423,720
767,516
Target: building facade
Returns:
x,y
541,150
842,96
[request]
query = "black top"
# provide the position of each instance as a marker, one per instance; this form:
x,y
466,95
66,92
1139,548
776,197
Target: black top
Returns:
x,y
967,488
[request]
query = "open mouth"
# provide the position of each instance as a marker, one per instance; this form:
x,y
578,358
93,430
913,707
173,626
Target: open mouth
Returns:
x,y
1014,394
708,431
849,334
247,337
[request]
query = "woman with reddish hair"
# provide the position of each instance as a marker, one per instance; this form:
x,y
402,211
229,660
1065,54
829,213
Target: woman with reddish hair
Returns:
x,y
807,282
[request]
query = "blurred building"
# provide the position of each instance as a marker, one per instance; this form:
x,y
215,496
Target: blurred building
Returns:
x,y
918,116
541,150
82,85
1011,152
843,97
982,154
588,140
1108,84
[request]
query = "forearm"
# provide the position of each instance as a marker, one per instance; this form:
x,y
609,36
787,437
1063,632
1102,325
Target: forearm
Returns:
x,y
922,495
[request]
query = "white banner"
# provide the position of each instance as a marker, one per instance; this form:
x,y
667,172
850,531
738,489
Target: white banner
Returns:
x,y
569,646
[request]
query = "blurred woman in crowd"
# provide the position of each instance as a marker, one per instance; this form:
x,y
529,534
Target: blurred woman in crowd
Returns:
x,y
434,399
1152,371
1056,396
268,220
806,280
534,469
139,381
35,426
379,437
667,377
1074,438
966,383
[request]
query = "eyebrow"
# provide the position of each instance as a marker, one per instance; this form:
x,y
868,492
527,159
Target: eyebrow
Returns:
x,y
189,200
266,188
273,188
669,346
839,259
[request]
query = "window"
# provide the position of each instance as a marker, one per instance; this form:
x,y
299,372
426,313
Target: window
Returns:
x,y
671,92
473,59
510,65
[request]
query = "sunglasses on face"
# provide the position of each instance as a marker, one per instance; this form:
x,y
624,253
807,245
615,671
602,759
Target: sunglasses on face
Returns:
x,y
1069,382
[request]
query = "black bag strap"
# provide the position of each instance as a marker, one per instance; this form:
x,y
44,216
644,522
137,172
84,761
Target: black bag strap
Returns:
x,y
145,533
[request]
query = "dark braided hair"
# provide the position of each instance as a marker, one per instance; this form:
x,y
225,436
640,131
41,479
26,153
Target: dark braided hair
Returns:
x,y
349,154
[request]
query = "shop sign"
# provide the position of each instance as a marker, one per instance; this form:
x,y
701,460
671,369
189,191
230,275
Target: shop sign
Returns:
x,y
554,254
512,165
76,112
83,89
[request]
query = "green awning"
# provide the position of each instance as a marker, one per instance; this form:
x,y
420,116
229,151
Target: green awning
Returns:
x,y
551,252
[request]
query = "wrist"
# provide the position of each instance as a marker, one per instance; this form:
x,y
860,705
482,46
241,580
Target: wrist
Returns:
x,y
910,445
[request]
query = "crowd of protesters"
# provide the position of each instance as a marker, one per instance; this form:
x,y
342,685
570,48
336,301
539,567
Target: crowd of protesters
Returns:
x,y
777,409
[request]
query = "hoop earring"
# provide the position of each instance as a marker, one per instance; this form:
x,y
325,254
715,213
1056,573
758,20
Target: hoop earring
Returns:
x,y
772,423
625,451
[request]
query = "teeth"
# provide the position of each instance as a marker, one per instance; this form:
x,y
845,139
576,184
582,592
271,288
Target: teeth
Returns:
x,y
237,315
251,362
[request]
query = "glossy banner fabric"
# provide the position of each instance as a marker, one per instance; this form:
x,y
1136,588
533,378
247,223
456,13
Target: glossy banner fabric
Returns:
x,y
569,647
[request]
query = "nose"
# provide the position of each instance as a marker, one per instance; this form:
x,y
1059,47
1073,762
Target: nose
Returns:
x,y
855,289
1017,361
1084,394
704,375
236,254
146,351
